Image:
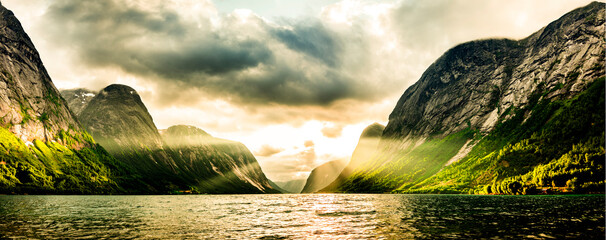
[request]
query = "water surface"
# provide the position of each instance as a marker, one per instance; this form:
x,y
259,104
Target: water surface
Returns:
x,y
320,216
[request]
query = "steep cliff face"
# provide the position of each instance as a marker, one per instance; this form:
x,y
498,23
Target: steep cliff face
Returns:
x,y
367,146
217,165
485,96
43,149
31,106
474,83
183,158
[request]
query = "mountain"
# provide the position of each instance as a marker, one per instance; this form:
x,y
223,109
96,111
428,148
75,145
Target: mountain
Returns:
x,y
501,116
217,165
367,145
276,187
117,118
119,121
292,186
323,175
182,159
43,148
77,99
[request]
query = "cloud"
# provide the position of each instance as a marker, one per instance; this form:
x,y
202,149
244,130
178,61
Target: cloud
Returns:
x,y
239,56
298,160
332,131
266,150
156,41
312,38
307,157
352,50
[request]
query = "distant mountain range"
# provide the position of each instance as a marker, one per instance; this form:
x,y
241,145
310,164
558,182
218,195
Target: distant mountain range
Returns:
x,y
181,159
292,186
46,148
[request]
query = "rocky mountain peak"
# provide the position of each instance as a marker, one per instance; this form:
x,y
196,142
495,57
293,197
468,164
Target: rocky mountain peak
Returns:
x,y
30,105
118,114
473,84
119,90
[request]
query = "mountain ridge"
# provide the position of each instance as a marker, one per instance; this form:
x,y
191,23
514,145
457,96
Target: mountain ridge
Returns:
x,y
483,102
181,158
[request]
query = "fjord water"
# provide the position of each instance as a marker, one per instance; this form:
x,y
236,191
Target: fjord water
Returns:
x,y
331,216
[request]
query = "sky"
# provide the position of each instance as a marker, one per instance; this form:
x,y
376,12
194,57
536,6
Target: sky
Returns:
x,y
295,81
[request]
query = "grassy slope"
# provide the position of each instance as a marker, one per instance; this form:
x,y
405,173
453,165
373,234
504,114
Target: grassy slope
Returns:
x,y
410,165
54,168
561,144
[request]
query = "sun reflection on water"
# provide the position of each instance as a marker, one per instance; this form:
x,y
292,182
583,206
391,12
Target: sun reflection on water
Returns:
x,y
302,216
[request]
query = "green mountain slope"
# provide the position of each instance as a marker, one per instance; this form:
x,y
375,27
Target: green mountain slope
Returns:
x,y
367,145
43,149
501,116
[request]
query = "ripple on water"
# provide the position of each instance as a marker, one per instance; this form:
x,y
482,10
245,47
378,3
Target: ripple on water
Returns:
x,y
345,213
332,216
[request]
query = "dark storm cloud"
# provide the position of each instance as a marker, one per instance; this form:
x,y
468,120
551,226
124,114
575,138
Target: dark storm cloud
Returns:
x,y
286,85
313,39
107,33
100,12
250,62
214,58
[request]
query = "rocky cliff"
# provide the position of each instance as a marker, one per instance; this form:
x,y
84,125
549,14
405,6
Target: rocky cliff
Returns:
x,y
43,149
474,83
484,104
31,106
367,145
183,158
